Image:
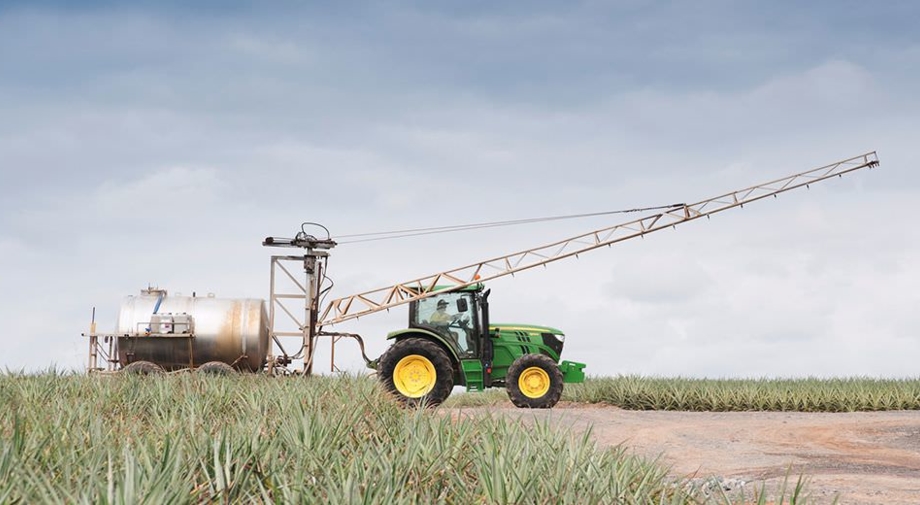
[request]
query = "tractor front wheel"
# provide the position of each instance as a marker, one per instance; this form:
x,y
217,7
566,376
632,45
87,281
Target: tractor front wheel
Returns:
x,y
416,371
534,382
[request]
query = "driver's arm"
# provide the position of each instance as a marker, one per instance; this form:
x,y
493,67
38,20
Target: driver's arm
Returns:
x,y
439,318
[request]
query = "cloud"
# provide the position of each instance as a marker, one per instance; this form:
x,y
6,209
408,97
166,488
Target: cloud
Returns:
x,y
162,196
161,144
832,85
660,279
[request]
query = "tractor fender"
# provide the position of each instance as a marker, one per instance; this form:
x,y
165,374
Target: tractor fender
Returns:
x,y
428,335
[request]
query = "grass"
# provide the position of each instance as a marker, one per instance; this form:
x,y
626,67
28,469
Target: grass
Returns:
x,y
726,395
256,439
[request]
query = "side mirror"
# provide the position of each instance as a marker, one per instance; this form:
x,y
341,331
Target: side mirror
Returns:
x,y
462,305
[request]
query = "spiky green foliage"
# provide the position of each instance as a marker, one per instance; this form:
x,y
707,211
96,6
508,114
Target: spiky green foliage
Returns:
x,y
256,439
799,395
729,395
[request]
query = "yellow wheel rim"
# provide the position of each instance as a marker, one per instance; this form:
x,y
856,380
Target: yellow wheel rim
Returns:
x,y
414,376
534,382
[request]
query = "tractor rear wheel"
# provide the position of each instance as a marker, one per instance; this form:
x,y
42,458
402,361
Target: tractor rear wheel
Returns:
x,y
216,368
534,382
417,372
142,368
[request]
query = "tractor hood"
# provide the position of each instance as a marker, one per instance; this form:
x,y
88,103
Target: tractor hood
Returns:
x,y
529,328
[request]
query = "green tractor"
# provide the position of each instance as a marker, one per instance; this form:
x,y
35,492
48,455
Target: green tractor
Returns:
x,y
450,342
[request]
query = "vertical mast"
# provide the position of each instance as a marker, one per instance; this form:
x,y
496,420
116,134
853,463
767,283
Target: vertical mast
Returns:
x,y
313,259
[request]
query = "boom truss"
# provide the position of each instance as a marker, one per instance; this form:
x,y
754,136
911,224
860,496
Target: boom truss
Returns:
x,y
369,302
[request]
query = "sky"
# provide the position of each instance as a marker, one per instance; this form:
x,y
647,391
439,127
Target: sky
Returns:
x,y
158,143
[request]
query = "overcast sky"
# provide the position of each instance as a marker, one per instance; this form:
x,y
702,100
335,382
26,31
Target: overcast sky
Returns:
x,y
157,143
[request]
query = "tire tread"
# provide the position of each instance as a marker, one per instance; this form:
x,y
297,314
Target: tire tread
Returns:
x,y
444,376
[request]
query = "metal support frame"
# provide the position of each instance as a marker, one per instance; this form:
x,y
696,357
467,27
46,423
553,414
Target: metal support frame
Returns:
x,y
313,261
285,287
105,349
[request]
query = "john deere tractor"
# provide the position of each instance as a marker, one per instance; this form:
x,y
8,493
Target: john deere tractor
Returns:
x,y
450,342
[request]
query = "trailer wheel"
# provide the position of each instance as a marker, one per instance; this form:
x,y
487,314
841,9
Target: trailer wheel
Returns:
x,y
417,372
534,382
142,368
216,368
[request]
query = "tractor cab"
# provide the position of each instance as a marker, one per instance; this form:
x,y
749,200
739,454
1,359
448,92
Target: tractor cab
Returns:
x,y
456,316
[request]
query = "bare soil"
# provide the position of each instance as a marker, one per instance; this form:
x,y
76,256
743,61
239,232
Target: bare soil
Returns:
x,y
859,457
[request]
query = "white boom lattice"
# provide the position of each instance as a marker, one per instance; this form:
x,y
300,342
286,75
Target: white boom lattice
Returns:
x,y
354,306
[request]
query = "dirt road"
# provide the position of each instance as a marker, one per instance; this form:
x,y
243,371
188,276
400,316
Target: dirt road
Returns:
x,y
864,457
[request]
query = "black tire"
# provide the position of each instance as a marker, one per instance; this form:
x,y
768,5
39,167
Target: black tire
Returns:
x,y
142,368
544,378
216,368
407,358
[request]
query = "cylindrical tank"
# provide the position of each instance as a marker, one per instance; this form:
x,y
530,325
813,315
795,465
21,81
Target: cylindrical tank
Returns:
x,y
182,331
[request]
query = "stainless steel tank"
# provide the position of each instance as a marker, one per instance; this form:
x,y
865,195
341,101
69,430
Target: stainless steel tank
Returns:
x,y
186,331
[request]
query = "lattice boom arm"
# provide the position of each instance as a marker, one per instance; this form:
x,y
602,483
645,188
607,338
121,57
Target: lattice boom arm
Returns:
x,y
354,306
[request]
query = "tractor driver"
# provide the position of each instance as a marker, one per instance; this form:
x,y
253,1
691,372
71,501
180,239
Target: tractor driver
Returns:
x,y
440,317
